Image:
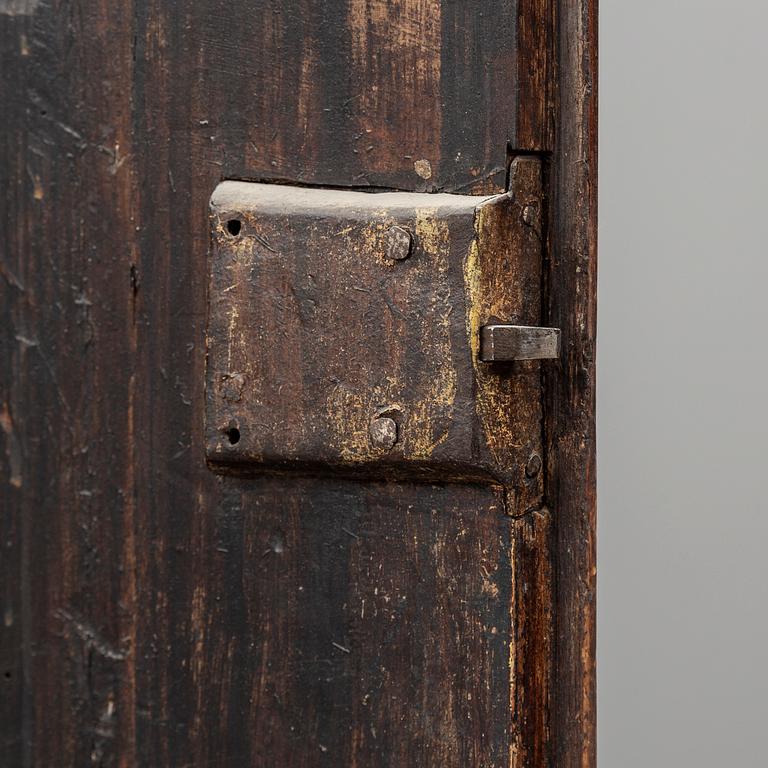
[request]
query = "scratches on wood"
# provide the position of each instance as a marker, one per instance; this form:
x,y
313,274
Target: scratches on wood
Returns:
x,y
224,596
427,633
535,108
532,641
397,111
91,637
570,404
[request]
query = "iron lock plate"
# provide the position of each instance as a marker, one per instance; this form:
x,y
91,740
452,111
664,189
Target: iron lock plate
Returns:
x,y
344,333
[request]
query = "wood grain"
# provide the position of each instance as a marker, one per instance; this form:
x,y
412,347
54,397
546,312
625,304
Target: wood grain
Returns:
x,y
570,400
148,618
531,659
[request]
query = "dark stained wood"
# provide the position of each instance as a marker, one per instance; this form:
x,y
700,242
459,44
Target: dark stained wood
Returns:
x,y
157,614
570,400
69,344
536,77
370,626
369,93
532,641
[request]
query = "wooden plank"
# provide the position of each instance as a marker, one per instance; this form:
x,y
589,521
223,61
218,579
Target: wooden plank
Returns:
x,y
570,400
138,589
70,347
13,586
356,615
537,39
531,660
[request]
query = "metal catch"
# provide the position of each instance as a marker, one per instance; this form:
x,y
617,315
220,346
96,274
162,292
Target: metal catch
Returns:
x,y
500,342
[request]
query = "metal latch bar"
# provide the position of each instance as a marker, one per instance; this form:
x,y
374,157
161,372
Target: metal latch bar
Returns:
x,y
501,342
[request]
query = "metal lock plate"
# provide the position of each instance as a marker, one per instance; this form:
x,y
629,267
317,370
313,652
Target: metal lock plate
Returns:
x,y
344,333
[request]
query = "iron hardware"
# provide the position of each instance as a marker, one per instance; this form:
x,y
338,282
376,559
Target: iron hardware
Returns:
x,y
501,342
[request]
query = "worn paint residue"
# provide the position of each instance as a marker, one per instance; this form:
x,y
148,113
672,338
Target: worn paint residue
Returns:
x,y
486,300
501,273
317,330
423,168
12,446
423,408
432,411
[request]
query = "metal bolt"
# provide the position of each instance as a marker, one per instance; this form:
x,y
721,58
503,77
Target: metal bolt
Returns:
x,y
383,432
533,467
398,243
529,215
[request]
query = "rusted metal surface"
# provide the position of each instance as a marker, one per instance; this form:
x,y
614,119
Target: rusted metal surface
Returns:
x,y
329,350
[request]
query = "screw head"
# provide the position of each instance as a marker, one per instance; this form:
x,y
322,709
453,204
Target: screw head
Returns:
x,y
398,243
533,467
383,432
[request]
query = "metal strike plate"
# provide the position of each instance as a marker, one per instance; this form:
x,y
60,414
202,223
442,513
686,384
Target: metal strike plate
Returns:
x,y
344,333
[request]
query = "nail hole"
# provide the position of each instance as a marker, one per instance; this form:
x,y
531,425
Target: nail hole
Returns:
x,y
277,543
233,435
234,226
7,675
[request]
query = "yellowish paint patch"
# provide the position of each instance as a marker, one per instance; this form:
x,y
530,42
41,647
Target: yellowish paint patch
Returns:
x,y
423,168
485,301
437,406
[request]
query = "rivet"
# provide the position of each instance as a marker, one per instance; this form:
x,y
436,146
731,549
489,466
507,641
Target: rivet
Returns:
x,y
383,432
398,243
533,467
529,215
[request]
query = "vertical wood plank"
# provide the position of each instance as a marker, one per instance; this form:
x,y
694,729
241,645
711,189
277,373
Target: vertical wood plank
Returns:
x,y
532,643
69,333
138,585
570,387
396,57
13,474
537,32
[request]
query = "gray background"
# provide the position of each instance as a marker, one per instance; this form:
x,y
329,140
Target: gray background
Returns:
x,y
682,409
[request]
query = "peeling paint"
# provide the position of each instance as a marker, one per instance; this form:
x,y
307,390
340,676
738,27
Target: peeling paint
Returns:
x,y
423,168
